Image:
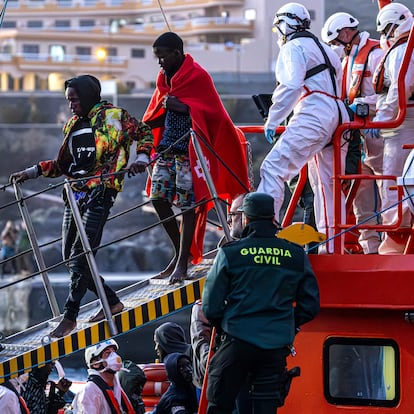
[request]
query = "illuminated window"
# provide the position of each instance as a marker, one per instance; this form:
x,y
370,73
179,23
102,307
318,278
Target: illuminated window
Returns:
x,y
250,14
57,53
361,371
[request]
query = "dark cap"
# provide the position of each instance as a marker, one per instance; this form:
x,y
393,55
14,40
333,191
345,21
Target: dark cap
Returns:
x,y
169,40
258,205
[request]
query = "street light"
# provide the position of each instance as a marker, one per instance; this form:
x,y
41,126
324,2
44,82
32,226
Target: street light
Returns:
x,y
101,54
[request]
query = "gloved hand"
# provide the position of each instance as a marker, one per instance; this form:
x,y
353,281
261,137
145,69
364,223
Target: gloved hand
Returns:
x,y
352,107
371,133
271,136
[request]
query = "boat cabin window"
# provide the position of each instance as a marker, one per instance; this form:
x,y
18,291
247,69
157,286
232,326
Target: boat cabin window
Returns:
x,y
361,371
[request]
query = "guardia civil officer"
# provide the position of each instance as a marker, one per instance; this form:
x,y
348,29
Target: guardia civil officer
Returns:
x,y
248,296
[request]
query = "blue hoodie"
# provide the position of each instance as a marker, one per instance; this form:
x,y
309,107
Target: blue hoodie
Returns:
x,y
180,398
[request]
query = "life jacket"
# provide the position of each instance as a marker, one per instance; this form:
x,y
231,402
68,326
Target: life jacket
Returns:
x,y
109,395
22,402
378,78
156,385
359,70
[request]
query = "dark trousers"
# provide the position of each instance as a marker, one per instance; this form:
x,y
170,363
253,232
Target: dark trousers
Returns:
x,y
94,216
237,362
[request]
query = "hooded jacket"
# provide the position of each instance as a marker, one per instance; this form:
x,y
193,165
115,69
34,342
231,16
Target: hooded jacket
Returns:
x,y
114,130
180,398
170,337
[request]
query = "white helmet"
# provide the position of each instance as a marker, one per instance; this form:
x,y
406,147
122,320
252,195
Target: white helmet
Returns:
x,y
396,14
95,350
335,23
295,16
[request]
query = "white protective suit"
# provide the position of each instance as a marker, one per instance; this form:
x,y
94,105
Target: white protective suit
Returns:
x,y
367,199
309,133
90,399
394,156
9,403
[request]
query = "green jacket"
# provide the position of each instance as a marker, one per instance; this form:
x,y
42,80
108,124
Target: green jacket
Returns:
x,y
260,288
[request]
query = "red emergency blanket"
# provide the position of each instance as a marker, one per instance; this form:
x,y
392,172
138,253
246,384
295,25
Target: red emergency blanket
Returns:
x,y
226,159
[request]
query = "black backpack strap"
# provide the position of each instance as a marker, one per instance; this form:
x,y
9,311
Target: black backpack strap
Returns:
x,y
322,66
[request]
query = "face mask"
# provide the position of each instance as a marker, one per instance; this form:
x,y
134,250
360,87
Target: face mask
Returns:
x,y
385,43
339,50
283,31
113,362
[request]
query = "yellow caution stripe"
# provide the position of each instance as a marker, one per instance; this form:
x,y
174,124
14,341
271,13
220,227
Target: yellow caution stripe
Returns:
x,y
130,319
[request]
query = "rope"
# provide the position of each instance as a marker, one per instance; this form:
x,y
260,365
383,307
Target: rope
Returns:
x,y
163,15
222,162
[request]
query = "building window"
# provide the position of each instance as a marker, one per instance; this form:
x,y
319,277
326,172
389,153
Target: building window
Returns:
x,y
31,49
86,24
83,53
9,24
138,53
62,24
64,3
112,51
362,372
35,24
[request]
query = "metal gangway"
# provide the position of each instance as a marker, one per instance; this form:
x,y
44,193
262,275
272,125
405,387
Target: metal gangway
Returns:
x,y
145,301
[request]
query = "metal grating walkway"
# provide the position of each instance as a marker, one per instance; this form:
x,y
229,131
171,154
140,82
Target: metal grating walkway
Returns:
x,y
144,301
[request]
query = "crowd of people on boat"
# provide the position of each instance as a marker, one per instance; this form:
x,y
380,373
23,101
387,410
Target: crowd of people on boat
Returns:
x,y
321,85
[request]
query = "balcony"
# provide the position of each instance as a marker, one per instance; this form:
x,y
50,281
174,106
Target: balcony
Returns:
x,y
44,63
101,7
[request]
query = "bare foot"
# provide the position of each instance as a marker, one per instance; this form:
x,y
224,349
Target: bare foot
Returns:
x,y
65,327
118,307
178,275
168,270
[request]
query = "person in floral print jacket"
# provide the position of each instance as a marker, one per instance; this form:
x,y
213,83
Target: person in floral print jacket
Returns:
x,y
97,141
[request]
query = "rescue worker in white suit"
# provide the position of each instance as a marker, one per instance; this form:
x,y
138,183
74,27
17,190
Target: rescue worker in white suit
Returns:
x,y
317,111
360,57
102,393
394,22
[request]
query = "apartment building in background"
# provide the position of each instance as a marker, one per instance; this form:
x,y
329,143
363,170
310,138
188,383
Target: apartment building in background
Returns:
x,y
44,42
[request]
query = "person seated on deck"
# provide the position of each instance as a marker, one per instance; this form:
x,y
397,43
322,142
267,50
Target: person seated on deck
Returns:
x,y
168,338
185,98
34,392
180,398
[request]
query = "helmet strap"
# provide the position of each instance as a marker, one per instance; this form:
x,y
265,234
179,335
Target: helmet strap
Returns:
x,y
348,45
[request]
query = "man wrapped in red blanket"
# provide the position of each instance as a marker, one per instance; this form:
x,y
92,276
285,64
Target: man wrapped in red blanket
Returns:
x,y
185,98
